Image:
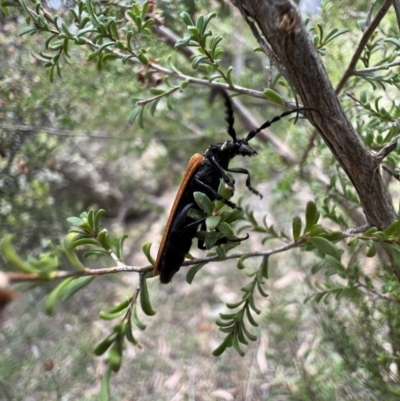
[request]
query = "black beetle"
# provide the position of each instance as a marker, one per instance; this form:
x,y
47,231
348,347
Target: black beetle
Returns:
x,y
203,174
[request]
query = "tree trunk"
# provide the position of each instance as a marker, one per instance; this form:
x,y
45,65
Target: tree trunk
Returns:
x,y
277,26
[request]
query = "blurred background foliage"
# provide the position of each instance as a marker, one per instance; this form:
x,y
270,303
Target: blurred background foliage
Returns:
x,y
67,146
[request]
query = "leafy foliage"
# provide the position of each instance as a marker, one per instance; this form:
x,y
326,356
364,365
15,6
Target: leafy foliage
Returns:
x,y
104,34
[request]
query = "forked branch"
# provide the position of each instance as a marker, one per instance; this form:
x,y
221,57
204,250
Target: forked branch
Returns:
x,y
277,26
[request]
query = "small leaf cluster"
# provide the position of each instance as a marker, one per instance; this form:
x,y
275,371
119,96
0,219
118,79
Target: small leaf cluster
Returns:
x,y
137,112
233,324
268,231
207,45
87,232
379,52
342,187
320,41
100,31
44,266
123,329
114,343
217,230
366,243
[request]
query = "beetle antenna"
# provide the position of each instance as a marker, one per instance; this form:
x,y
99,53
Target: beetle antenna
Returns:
x,y
253,133
297,107
230,119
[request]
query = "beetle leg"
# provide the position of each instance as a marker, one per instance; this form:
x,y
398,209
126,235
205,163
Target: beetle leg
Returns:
x,y
180,220
191,225
200,243
248,183
228,181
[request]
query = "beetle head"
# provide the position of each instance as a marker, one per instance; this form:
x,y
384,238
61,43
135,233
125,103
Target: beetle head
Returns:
x,y
238,147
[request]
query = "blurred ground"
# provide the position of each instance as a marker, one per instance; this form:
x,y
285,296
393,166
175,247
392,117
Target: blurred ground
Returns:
x,y
50,358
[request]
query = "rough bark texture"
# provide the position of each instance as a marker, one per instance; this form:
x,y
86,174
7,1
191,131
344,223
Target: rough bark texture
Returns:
x,y
278,28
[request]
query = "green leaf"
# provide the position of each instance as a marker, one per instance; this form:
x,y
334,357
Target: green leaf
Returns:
x,y
318,266
334,33
235,304
115,356
264,267
49,305
27,29
204,202
212,222
75,221
84,241
183,42
153,107
311,216
120,244
296,227
74,286
393,230
371,250
96,253
105,344
136,320
211,239
273,96
240,264
226,229
201,58
221,252
222,347
249,287
193,271
110,316
229,75
104,239
208,18
134,113
145,299
324,246
253,305
370,231
250,318
214,76
394,41
236,346
363,97
186,18
234,216
146,248
249,335
129,335
9,253
105,386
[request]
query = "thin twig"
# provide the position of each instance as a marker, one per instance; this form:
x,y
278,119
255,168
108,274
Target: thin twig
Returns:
x,y
60,132
365,71
188,78
390,147
377,293
364,39
122,268
396,5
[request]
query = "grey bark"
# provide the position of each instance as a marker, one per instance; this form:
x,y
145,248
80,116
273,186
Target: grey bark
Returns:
x,y
278,28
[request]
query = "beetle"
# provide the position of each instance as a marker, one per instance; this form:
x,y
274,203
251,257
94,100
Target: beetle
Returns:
x,y
203,174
